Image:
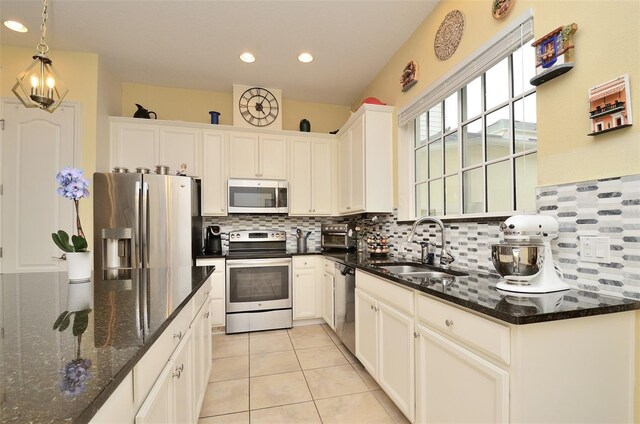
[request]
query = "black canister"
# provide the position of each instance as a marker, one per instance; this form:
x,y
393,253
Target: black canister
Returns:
x,y
305,125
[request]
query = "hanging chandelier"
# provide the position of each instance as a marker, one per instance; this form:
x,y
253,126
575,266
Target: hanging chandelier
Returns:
x,y
39,85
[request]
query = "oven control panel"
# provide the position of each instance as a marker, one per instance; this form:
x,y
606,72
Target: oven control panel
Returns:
x,y
257,235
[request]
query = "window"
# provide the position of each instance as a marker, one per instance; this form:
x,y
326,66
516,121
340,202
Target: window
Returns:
x,y
475,149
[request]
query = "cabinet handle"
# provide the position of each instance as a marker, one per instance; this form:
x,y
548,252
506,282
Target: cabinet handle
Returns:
x,y
416,335
221,209
178,372
448,323
371,306
348,207
314,210
178,335
297,275
206,293
206,315
309,210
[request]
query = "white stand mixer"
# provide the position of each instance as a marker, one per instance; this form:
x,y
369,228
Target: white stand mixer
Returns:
x,y
531,231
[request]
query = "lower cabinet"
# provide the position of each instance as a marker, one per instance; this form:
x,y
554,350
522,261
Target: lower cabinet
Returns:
x,y
307,289
455,385
218,295
201,353
328,287
170,399
385,344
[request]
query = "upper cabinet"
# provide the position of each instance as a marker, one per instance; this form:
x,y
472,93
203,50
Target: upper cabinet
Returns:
x,y
214,173
311,176
257,156
365,161
135,145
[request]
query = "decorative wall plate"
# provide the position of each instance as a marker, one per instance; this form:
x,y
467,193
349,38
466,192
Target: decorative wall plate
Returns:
x,y
449,35
501,8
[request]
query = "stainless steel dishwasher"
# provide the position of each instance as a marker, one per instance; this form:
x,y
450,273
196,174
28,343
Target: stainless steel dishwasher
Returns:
x,y
344,305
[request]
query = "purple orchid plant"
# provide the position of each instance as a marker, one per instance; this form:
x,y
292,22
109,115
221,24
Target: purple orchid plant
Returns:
x,y
72,185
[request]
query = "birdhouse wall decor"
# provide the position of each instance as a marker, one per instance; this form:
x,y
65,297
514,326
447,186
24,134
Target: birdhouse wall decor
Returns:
x,y
610,106
554,54
409,76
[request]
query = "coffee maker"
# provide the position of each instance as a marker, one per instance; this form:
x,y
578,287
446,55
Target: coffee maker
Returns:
x,y
213,240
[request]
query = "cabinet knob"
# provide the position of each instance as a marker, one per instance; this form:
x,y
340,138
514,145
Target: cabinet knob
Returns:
x,y
309,210
297,275
178,371
221,209
314,210
207,293
206,315
448,322
416,335
177,335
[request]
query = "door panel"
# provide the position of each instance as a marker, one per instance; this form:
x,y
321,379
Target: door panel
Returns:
x,y
273,157
243,156
321,183
37,145
300,184
367,332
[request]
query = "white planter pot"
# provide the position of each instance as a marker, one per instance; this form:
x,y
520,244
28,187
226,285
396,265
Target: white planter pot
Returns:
x,y
79,265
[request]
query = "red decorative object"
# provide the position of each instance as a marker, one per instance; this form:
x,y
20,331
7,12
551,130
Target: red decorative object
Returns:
x,y
372,101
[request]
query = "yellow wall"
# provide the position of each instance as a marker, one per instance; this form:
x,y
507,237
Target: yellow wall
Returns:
x,y
80,73
194,105
607,46
562,103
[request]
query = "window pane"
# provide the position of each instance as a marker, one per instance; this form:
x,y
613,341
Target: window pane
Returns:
x,y
499,187
451,153
435,197
524,68
451,112
421,130
498,134
526,127
435,159
526,178
421,164
472,99
473,191
435,121
452,198
497,83
421,199
472,143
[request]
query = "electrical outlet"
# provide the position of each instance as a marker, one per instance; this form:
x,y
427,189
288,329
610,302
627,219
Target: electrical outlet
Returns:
x,y
595,249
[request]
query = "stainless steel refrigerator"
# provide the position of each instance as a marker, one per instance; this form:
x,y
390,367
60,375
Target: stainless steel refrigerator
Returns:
x,y
142,221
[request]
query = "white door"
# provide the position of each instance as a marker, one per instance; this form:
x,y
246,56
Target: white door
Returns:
x,y
321,179
36,145
300,182
367,332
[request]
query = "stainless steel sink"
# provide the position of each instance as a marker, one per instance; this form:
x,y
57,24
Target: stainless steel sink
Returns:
x,y
417,270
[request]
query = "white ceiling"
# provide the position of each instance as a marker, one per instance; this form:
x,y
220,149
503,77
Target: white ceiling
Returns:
x,y
196,44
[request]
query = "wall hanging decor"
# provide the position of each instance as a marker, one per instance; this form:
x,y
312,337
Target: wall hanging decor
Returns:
x,y
610,106
257,107
409,75
501,8
554,54
449,35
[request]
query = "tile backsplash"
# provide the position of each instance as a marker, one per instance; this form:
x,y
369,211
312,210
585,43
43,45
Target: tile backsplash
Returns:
x,y
606,208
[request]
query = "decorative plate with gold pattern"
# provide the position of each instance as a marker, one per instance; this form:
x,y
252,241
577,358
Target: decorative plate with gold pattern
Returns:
x,y
449,35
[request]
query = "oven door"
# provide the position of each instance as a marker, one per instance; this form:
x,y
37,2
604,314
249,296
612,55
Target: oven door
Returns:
x,y
334,241
258,284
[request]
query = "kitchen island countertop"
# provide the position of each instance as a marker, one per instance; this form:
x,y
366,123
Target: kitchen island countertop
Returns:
x,y
52,376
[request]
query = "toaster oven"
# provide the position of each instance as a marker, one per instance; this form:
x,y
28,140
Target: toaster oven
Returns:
x,y
338,237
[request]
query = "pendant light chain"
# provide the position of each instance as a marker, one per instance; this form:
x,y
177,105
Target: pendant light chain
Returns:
x,y
42,48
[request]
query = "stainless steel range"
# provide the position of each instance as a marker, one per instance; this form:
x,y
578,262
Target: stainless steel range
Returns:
x,y
259,288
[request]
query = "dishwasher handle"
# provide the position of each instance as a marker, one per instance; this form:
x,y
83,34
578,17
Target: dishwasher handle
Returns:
x,y
345,270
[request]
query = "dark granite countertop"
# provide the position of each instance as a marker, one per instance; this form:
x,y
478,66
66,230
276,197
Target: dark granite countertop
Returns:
x,y
114,324
477,291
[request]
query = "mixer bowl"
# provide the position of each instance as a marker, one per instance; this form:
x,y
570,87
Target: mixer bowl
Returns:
x,y
517,263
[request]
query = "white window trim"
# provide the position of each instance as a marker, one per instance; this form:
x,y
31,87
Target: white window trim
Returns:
x,y
494,50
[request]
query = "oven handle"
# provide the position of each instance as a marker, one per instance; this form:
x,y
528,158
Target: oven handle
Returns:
x,y
252,263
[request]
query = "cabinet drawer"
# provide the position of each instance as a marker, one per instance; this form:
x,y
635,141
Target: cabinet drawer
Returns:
x,y
201,296
487,336
386,291
329,266
306,261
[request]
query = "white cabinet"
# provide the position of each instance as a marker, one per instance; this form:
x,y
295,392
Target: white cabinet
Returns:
x,y
455,385
171,397
307,290
214,174
144,144
385,338
218,292
257,156
328,288
365,161
119,407
201,353
311,176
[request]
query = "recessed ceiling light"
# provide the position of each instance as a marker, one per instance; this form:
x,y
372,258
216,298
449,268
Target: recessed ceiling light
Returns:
x,y
247,57
15,26
305,57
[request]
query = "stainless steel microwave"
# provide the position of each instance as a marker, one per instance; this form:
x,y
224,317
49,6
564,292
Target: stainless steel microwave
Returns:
x,y
257,196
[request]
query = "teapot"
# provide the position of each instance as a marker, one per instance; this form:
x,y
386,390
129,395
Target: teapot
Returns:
x,y
144,113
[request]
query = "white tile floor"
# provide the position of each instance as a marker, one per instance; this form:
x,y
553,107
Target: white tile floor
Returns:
x,y
301,375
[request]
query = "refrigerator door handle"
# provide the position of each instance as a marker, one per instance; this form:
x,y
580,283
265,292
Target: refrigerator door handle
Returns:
x,y
144,234
136,261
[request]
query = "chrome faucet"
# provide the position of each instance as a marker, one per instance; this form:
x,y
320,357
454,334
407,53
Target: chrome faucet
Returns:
x,y
445,257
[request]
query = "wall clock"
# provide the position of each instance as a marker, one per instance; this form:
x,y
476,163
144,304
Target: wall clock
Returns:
x,y
257,107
